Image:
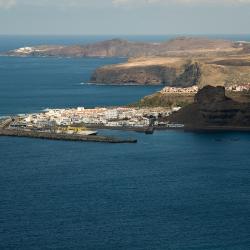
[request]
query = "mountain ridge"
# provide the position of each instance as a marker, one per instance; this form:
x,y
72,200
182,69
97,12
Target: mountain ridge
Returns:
x,y
123,48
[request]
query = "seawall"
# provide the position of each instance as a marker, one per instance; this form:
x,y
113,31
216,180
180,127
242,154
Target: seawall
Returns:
x,y
65,137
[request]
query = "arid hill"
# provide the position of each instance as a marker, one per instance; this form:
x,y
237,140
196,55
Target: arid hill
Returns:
x,y
178,71
124,48
183,61
162,99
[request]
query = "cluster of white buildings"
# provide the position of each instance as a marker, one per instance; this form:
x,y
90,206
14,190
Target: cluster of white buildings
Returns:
x,y
107,117
30,50
194,89
239,88
24,50
188,90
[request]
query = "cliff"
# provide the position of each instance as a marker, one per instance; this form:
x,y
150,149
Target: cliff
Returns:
x,y
140,71
177,71
152,71
212,108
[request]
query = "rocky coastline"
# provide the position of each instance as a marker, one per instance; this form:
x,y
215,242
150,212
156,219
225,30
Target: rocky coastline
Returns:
x,y
212,109
183,61
177,71
123,48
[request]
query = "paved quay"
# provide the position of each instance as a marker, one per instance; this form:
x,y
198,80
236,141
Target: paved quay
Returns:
x,y
65,137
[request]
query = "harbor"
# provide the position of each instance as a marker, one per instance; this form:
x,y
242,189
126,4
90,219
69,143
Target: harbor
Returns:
x,y
67,133
65,137
80,124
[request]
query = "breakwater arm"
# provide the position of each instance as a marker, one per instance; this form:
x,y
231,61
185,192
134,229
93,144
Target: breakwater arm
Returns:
x,y
66,137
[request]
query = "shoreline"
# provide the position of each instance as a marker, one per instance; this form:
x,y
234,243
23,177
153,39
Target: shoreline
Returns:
x,y
217,129
114,140
135,129
184,129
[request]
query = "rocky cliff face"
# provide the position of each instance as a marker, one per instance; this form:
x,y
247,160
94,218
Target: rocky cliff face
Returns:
x,y
150,71
178,71
191,75
149,75
212,107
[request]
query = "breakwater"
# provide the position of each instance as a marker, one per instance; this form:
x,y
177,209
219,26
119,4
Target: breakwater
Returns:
x,y
145,130
124,128
65,137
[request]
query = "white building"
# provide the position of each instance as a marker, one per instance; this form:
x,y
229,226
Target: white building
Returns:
x,y
111,114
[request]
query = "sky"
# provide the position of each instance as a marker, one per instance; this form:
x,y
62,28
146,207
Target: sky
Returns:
x,y
124,17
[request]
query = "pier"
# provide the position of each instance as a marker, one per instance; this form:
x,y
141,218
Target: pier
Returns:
x,y
65,137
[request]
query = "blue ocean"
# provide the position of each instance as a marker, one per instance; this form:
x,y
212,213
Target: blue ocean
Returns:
x,y
171,190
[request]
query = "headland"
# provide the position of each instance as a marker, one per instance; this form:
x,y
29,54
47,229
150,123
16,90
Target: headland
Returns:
x,y
123,48
212,109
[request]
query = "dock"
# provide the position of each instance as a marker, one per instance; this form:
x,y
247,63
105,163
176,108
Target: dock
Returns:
x,y
145,129
64,137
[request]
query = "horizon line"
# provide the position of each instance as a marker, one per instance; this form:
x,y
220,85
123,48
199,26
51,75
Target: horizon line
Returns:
x,y
117,35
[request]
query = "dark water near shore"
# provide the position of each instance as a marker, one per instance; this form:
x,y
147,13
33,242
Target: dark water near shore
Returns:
x,y
171,190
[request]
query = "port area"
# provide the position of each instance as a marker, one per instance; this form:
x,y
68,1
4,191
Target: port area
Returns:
x,y
146,129
80,124
65,137
67,134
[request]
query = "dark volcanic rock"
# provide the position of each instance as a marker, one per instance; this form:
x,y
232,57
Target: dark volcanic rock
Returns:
x,y
212,107
191,76
209,95
152,75
182,73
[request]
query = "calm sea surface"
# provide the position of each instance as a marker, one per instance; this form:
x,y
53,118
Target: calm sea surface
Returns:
x,y
171,190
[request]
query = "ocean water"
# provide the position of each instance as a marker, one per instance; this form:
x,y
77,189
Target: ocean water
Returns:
x,y
32,84
171,190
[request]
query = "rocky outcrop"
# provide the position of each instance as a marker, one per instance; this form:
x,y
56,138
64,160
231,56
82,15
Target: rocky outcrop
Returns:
x,y
150,71
178,71
212,108
209,95
191,76
149,75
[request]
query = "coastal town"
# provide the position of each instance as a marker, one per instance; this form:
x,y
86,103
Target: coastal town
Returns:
x,y
244,87
175,90
86,121
83,124
194,89
117,117
239,88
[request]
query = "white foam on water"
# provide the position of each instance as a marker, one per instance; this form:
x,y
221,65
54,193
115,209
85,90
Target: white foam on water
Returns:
x,y
85,83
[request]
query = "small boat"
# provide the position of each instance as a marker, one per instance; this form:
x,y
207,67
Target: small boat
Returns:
x,y
149,131
87,132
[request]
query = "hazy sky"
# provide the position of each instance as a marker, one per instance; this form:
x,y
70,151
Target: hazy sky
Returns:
x,y
124,16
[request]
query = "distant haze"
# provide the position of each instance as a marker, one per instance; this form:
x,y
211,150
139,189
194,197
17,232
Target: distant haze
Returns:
x,y
134,17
